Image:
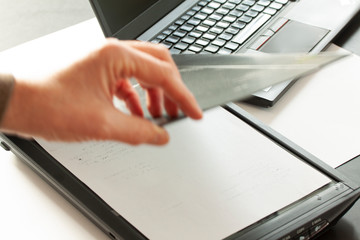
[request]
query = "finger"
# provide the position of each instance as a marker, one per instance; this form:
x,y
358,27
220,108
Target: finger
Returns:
x,y
154,101
153,65
126,92
134,130
171,108
183,96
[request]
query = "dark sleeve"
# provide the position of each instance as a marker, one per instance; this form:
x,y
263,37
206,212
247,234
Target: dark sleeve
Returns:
x,y
6,86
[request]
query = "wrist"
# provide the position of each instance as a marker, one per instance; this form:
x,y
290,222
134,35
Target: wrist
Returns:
x,y
17,115
6,89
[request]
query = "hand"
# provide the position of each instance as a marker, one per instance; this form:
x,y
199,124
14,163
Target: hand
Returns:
x,y
76,103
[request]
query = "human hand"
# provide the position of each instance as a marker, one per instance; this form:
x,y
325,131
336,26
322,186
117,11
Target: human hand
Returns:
x,y
76,103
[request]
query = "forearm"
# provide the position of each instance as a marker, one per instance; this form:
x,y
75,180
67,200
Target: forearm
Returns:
x,y
6,88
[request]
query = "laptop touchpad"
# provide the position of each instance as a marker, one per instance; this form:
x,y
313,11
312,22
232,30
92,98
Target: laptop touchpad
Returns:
x,y
294,37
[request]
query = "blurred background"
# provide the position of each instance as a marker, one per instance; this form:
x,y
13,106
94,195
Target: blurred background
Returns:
x,y
24,20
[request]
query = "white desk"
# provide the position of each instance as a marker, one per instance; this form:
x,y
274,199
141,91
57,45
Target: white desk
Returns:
x,y
30,208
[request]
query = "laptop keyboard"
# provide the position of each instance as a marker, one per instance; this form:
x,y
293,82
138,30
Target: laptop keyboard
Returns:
x,y
218,26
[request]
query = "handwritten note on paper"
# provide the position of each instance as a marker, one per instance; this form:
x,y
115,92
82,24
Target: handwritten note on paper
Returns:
x,y
216,177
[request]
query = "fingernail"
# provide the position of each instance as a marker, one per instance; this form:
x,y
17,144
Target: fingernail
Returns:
x,y
161,136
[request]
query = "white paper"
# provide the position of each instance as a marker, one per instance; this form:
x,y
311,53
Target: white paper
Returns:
x,y
321,112
216,177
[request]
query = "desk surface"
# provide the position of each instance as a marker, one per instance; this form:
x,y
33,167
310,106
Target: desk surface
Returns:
x,y
348,226
32,209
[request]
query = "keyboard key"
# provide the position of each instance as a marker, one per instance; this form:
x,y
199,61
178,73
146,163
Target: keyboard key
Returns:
x,y
216,30
248,2
223,24
194,21
195,48
229,19
167,32
205,52
188,52
195,34
167,44
182,46
187,27
156,40
222,11
224,51
175,51
236,13
270,11
242,7
202,3
215,17
232,30
232,46
202,42
196,8
212,48
179,33
200,16
180,22
173,27
191,13
220,1
251,13
239,25
282,1
237,2
209,22
225,36
161,36
257,8
219,42
172,39
264,3
188,40
202,28
214,5
207,10
276,5
245,19
209,36
229,6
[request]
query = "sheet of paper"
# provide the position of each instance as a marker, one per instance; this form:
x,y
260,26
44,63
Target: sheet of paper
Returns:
x,y
216,79
215,177
321,112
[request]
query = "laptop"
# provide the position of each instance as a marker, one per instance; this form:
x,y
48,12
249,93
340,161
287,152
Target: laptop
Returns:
x,y
209,182
229,26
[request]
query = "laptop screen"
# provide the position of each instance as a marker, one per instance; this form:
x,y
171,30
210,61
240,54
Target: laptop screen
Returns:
x,y
120,13
127,19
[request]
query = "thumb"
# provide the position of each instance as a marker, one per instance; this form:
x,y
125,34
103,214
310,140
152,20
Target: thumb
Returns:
x,y
135,130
